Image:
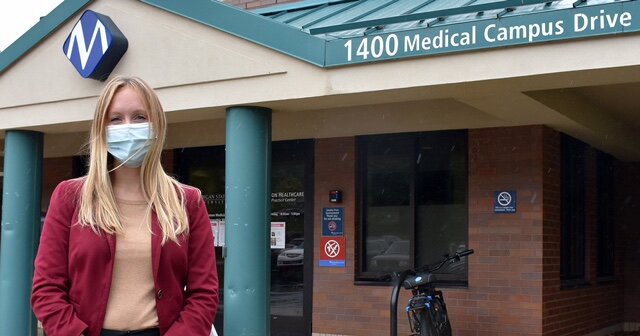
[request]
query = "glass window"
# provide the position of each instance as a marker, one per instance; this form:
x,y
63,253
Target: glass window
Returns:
x,y
572,212
606,199
441,201
387,194
413,191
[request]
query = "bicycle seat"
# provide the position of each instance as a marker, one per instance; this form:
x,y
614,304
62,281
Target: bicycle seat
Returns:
x,y
418,280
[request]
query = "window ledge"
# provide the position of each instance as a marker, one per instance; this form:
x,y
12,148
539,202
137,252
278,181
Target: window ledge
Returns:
x,y
573,284
364,282
603,280
372,283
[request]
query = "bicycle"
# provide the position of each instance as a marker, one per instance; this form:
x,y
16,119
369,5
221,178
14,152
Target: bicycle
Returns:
x,y
426,310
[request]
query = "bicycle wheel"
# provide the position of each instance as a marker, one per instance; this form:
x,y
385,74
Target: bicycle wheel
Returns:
x,y
439,318
426,327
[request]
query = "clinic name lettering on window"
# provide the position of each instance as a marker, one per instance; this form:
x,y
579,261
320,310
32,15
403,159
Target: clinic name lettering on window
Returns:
x,y
495,32
214,199
291,196
278,197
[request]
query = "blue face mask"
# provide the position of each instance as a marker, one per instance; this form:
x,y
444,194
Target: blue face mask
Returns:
x,y
129,143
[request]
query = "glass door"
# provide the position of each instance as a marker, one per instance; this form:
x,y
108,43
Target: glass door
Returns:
x,y
291,206
291,267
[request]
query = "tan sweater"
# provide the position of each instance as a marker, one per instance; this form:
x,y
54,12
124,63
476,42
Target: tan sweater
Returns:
x,y
132,304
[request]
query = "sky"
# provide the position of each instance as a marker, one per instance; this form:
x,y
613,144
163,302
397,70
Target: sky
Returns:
x,y
17,16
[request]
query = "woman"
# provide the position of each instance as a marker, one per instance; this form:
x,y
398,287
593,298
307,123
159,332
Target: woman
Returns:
x,y
126,250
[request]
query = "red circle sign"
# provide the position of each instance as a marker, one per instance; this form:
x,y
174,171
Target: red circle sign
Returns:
x,y
332,226
332,248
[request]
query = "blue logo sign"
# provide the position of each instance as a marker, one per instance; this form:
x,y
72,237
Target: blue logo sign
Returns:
x,y
95,45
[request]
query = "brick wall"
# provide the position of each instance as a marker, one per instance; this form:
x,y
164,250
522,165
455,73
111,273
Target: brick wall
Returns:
x,y
505,288
505,273
54,171
575,311
551,219
340,307
169,162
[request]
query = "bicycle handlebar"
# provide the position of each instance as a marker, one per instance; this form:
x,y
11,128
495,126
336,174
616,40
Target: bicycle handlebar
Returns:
x,y
465,253
425,275
456,256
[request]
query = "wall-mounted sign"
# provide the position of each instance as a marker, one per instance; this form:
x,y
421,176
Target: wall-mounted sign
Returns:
x,y
333,251
95,45
504,202
488,32
332,222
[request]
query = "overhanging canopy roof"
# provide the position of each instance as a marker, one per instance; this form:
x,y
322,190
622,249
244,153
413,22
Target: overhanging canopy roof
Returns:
x,y
350,18
340,32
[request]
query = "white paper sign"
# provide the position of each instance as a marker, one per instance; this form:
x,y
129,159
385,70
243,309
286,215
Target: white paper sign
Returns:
x,y
217,227
277,235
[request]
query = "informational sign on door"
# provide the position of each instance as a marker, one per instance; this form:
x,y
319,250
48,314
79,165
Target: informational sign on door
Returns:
x,y
278,235
278,230
217,227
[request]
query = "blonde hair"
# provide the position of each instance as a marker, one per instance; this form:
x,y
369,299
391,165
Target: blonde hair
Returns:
x,y
166,196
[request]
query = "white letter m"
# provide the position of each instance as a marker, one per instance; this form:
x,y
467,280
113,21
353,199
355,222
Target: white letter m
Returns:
x,y
77,35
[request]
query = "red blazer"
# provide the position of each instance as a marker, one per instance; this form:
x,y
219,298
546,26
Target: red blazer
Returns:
x,y
73,271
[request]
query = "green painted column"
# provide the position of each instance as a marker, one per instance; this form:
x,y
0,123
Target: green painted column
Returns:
x,y
248,221
20,229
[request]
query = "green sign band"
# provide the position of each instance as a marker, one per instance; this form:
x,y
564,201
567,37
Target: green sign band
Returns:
x,y
552,25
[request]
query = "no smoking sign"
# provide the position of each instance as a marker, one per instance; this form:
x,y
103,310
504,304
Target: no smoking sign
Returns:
x,y
332,219
332,251
504,202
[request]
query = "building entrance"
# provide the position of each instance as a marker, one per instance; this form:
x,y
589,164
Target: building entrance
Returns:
x,y
291,209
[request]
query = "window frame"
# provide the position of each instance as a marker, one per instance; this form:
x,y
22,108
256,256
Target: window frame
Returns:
x,y
375,278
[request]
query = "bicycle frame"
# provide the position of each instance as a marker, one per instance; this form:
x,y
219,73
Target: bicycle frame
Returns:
x,y
394,301
428,301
